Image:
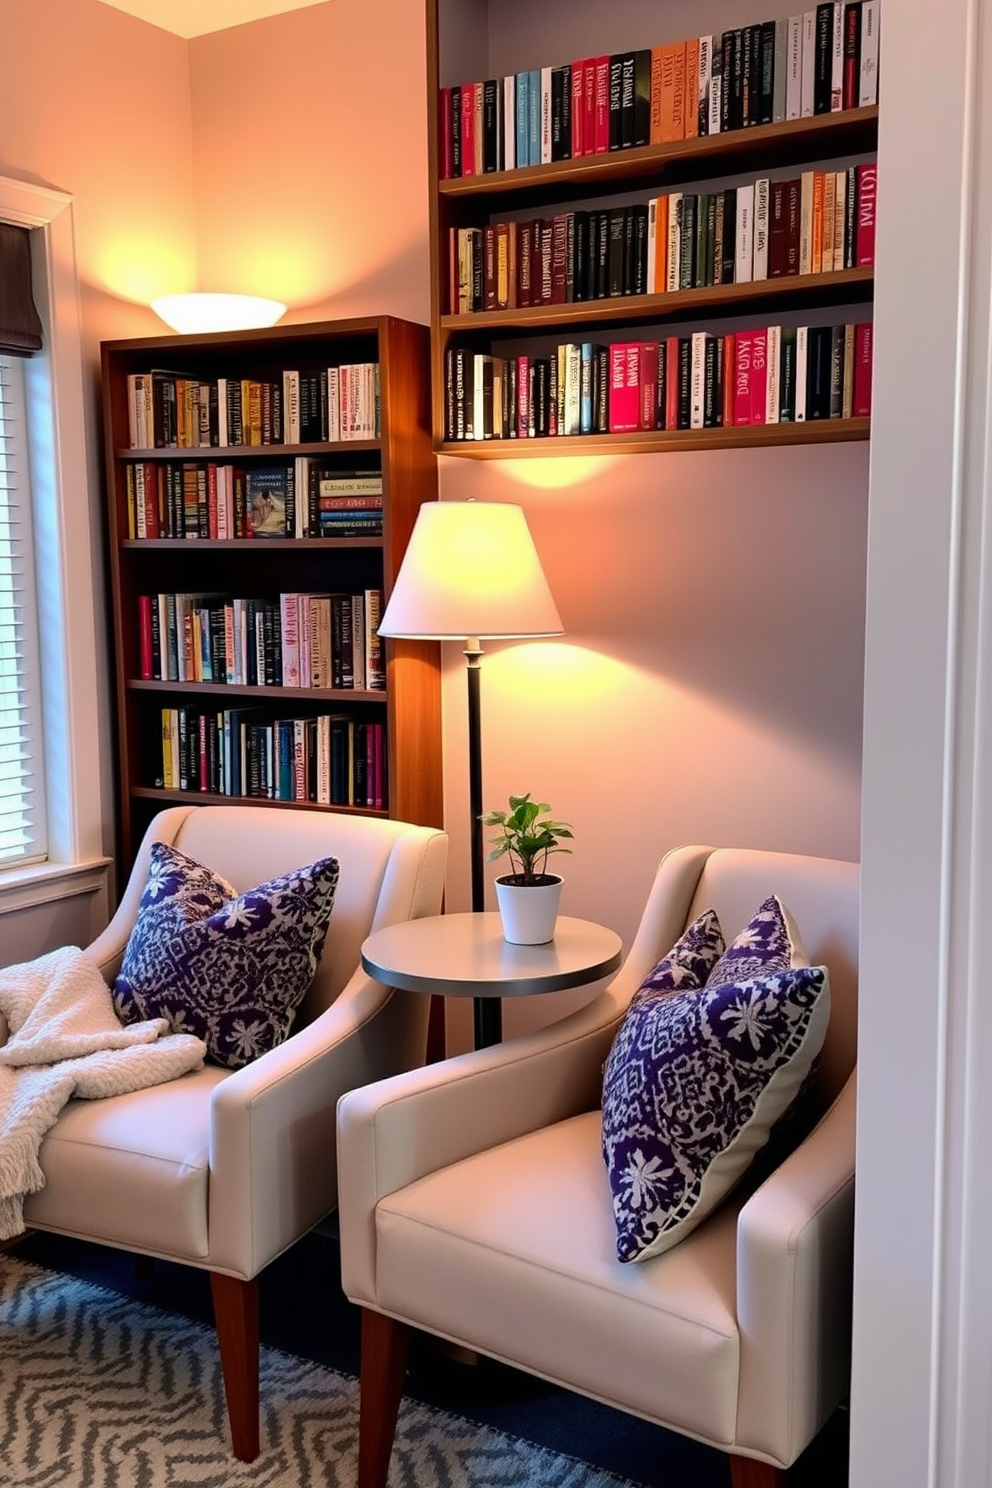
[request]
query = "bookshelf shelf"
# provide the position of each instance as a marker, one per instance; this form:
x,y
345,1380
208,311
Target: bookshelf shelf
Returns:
x,y
658,441
763,146
406,711
486,204
846,286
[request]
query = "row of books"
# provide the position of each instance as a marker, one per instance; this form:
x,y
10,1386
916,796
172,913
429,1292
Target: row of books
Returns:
x,y
326,405
817,222
331,759
207,499
818,61
774,374
291,640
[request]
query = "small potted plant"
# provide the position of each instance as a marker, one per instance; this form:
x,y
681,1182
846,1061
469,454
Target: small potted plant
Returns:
x,y
528,897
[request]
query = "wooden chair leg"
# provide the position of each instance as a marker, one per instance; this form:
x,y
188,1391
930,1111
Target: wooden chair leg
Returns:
x,y
747,1472
384,1346
236,1317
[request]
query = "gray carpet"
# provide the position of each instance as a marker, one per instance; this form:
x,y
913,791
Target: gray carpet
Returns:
x,y
100,1391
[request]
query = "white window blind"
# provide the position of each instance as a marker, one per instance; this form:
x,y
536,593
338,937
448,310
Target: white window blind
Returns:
x,y
22,793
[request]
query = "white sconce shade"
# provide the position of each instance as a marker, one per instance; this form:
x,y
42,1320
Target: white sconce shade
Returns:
x,y
470,570
190,313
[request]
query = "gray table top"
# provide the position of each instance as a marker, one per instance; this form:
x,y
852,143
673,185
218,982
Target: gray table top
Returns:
x,y
465,955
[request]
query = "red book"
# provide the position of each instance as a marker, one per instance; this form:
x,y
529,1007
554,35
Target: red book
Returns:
x,y
578,107
729,368
601,108
864,242
589,106
153,474
851,87
468,128
146,663
671,382
758,380
649,384
742,377
861,406
625,367
444,163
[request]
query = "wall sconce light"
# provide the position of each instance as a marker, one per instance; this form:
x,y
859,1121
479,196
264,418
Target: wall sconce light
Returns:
x,y
189,313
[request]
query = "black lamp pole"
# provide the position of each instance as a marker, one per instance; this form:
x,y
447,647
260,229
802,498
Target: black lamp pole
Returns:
x,y
487,1012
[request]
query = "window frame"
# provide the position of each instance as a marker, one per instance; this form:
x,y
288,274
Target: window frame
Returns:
x,y
74,688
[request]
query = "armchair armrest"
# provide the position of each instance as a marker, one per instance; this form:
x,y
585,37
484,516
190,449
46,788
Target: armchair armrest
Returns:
x,y
272,1123
795,1240
394,1132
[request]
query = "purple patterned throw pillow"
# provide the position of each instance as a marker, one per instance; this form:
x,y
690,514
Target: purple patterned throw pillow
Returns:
x,y
690,961
770,941
231,968
697,1078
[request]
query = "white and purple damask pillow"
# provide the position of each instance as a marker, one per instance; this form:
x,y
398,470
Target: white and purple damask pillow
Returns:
x,y
231,968
698,1076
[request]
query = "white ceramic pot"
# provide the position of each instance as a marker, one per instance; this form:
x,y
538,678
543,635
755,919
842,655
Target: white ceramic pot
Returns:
x,y
529,911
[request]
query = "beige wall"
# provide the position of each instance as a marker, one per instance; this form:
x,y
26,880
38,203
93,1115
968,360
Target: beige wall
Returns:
x,y
709,687
310,159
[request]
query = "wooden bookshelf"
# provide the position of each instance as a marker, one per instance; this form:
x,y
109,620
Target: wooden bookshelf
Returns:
x,y
409,706
460,52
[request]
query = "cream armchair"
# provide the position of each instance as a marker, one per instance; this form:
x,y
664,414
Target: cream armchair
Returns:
x,y
224,1169
474,1204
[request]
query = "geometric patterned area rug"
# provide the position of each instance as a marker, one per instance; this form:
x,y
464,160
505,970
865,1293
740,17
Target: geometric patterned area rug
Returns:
x,y
100,1391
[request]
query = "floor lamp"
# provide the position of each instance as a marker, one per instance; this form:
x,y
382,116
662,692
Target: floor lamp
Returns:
x,y
471,573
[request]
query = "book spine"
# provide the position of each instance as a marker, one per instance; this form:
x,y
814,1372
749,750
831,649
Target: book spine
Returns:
x,y
802,372
772,388
759,263
867,186
758,380
522,121
852,55
743,258
837,59
868,62
807,96
742,378
861,397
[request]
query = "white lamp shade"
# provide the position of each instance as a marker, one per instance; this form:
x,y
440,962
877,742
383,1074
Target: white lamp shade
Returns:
x,y
189,313
470,570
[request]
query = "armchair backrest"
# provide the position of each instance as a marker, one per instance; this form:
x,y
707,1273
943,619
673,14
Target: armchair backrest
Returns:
x,y
390,870
821,893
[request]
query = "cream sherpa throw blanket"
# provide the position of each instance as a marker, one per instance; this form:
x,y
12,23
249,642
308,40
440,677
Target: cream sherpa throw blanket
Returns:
x,y
66,1040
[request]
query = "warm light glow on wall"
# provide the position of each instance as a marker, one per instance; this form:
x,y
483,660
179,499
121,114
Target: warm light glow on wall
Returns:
x,y
135,268
190,313
556,674
557,471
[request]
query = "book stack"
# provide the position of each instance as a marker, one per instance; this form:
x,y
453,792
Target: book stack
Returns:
x,y
338,502
329,758
292,640
818,61
816,222
773,374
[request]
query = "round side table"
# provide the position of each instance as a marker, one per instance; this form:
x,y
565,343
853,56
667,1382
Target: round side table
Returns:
x,y
465,955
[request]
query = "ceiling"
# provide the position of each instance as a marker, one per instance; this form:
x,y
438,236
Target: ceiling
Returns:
x,y
189,18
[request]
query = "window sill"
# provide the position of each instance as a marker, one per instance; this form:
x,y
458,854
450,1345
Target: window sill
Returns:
x,y
42,883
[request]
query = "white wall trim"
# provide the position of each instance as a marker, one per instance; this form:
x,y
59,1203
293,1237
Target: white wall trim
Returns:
x,y
920,1413
63,531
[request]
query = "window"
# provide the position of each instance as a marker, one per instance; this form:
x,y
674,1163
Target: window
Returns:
x,y
55,850
22,795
